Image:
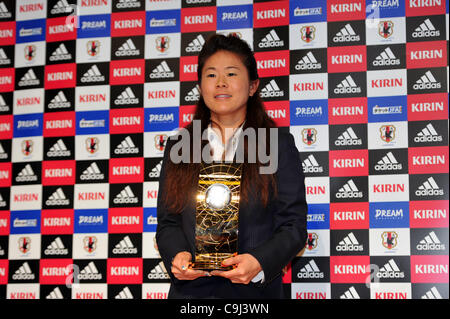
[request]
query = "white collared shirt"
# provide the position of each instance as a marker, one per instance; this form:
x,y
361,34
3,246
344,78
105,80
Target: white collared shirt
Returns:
x,y
215,141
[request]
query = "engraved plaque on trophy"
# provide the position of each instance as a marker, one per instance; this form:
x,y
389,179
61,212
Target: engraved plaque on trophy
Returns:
x,y
217,213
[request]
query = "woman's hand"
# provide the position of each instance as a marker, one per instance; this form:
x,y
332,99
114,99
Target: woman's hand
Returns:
x,y
180,267
247,267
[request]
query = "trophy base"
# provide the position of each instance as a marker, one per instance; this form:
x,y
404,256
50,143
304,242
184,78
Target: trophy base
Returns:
x,y
210,262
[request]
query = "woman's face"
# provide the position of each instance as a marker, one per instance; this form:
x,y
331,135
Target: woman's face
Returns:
x,y
225,85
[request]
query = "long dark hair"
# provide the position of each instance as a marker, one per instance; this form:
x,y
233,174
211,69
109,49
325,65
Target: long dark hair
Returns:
x,y
183,177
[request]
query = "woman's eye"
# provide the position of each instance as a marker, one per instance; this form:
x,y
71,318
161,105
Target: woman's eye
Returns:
x,y
231,74
210,75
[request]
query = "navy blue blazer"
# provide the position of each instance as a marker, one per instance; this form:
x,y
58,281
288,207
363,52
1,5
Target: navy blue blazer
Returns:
x,y
273,234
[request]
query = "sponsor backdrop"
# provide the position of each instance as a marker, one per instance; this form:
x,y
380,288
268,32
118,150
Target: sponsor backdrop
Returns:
x,y
91,89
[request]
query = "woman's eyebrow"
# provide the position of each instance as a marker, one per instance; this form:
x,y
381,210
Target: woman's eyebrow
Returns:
x,y
228,67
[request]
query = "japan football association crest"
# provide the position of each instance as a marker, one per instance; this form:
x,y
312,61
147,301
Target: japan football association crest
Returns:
x,y
93,47
27,147
312,241
24,244
387,133
309,136
90,243
160,141
389,239
385,28
307,33
30,52
92,144
162,43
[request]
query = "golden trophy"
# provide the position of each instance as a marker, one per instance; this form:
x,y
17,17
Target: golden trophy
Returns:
x,y
217,213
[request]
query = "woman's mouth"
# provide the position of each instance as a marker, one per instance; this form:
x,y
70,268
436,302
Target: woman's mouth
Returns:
x,y
222,96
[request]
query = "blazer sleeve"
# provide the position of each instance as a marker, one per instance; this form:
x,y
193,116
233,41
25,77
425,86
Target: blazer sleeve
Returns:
x,y
170,236
289,210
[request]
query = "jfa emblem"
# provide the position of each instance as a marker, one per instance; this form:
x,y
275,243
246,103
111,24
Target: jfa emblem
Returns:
x,y
90,243
308,33
312,240
93,47
24,244
385,28
389,239
309,136
162,44
160,141
92,145
387,133
27,147
30,52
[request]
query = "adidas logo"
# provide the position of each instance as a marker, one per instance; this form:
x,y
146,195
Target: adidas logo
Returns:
x,y
59,101
349,243
310,271
3,58
2,202
347,86
196,45
426,29
390,270
162,71
56,248
348,138
433,293
126,196
156,171
3,106
159,272
29,78
62,6
429,188
126,97
127,146
310,165
127,49
308,62
388,163
23,273
2,251
387,57
123,4
346,34
26,175
351,293
58,149
271,90
4,13
92,75
193,95
57,198
92,173
426,82
428,134
60,53
125,246
271,40
124,294
3,154
430,242
349,190
55,294
90,272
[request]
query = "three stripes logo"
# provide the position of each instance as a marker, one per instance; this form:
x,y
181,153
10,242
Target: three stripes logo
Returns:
x,y
271,90
92,173
4,107
127,146
349,190
92,75
62,6
4,13
310,165
155,172
390,270
308,62
388,163
349,243
123,4
351,293
4,60
127,97
193,95
387,57
427,82
425,30
3,154
433,293
429,188
126,196
60,54
29,79
310,271
428,134
348,137
55,294
58,149
56,247
125,293
26,175
162,71
346,34
90,272
59,101
430,242
127,49
158,272
24,273
347,86
196,45
125,246
58,198
271,40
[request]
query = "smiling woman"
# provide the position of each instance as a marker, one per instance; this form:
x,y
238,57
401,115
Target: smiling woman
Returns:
x,y
272,206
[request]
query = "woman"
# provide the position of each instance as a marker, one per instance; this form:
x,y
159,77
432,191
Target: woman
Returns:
x,y
272,211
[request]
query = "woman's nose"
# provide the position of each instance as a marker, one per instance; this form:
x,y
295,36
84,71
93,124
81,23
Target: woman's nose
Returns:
x,y
221,81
